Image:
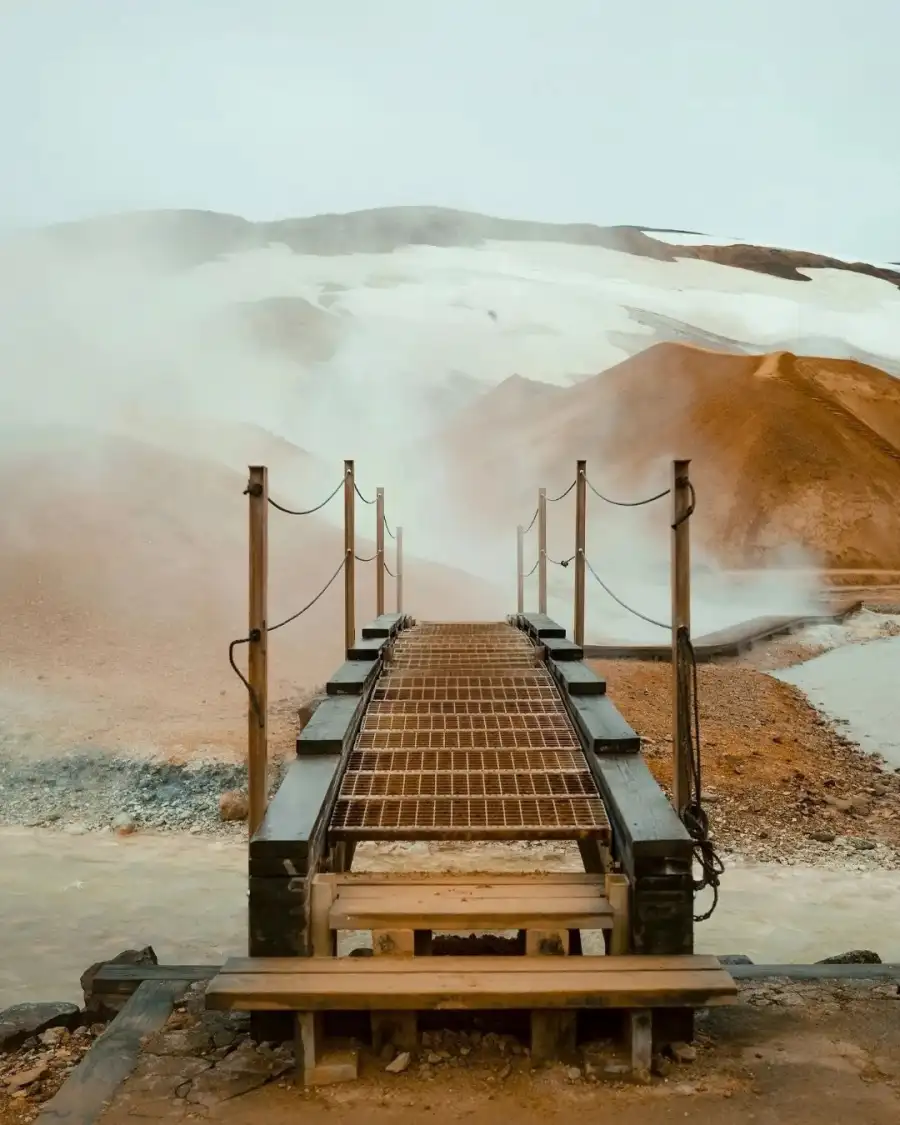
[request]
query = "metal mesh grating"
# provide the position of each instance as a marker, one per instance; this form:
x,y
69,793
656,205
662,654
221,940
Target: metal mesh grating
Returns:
x,y
466,737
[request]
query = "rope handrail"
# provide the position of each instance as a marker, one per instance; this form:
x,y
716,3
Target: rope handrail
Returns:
x,y
624,605
562,495
390,572
255,635
387,527
367,559
300,511
627,503
533,569
360,495
525,530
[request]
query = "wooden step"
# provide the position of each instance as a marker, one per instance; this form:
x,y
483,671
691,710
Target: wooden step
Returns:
x,y
552,989
470,906
474,983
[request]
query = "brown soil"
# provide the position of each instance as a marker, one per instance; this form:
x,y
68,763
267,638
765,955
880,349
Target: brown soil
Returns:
x,y
773,771
788,454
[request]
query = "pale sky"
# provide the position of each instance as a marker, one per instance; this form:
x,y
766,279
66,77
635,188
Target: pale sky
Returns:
x,y
773,120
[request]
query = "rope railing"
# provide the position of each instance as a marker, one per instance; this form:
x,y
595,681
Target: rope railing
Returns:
x,y
304,511
624,605
628,503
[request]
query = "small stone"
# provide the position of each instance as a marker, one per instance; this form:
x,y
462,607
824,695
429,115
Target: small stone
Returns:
x,y
400,1063
822,837
22,1021
661,1067
861,844
505,1072
26,1077
434,1059
124,825
234,805
683,1052
573,1073
52,1036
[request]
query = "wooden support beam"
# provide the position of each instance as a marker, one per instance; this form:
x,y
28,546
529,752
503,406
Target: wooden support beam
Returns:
x,y
617,892
349,556
520,569
681,618
580,547
379,552
399,538
640,1037
400,1029
257,656
542,550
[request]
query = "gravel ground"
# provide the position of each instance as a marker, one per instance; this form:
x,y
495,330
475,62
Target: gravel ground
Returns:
x,y
88,791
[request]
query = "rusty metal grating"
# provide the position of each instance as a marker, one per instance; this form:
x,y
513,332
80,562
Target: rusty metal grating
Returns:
x,y
466,737
461,818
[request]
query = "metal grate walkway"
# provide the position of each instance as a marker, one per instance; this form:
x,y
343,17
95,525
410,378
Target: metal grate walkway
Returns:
x,y
466,737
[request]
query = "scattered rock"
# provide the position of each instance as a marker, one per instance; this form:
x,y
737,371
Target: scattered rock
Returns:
x,y
861,844
400,1063
124,825
573,1074
661,1066
234,805
182,1042
26,1077
52,1036
505,1072
823,837
853,957
22,1021
683,1052
245,1069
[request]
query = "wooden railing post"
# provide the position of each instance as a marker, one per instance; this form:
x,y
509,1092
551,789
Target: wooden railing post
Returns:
x,y
580,546
349,556
520,569
379,552
681,618
399,534
542,550
257,655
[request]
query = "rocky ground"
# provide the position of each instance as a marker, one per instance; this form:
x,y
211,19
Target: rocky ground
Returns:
x,y
838,1041
780,782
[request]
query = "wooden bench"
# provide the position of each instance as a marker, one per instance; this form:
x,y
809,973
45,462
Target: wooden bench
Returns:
x,y
551,988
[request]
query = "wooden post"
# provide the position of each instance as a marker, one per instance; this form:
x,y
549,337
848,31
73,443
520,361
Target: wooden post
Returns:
x,y
257,655
520,569
349,556
681,617
580,546
542,550
379,552
399,534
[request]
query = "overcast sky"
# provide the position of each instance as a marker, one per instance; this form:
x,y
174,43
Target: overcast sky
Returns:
x,y
768,119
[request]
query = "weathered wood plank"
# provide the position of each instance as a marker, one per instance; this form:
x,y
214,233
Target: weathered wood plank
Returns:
x,y
547,881
350,966
281,845
352,678
644,822
602,727
320,985
367,648
541,626
464,908
561,648
386,625
83,1097
576,678
332,725
122,980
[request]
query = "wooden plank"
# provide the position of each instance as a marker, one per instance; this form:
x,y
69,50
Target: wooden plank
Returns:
x,y
385,625
640,1041
577,678
94,1081
332,726
601,727
281,845
444,910
544,880
541,626
122,980
642,818
441,989
367,966
560,648
369,893
352,678
367,649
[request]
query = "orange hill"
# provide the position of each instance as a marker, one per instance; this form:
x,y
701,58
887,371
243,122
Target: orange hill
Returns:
x,y
787,451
